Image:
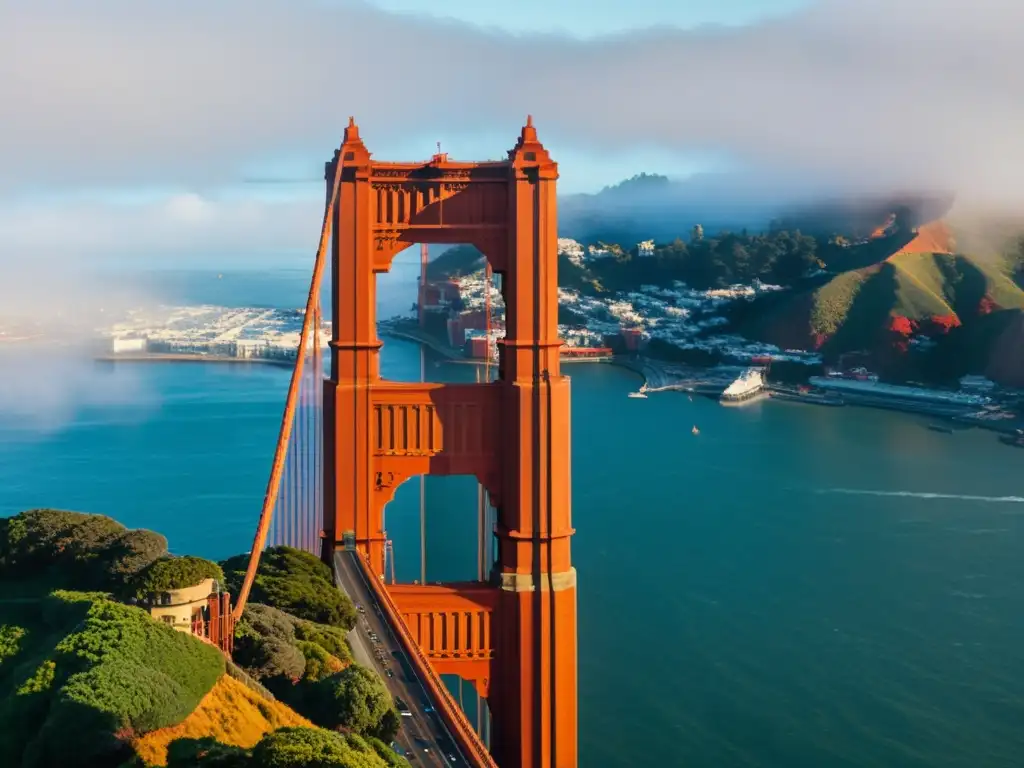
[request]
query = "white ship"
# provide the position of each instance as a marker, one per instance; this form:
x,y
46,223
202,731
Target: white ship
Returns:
x,y
637,394
749,384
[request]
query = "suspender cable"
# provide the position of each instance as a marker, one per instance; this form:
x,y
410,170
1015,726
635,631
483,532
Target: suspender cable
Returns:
x,y
280,451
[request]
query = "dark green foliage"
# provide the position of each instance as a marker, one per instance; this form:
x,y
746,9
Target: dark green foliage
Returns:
x,y
267,621
285,748
331,639
319,663
39,541
247,680
265,645
296,582
272,658
388,726
11,640
56,548
132,552
313,748
386,753
96,674
705,262
176,573
355,699
206,752
457,260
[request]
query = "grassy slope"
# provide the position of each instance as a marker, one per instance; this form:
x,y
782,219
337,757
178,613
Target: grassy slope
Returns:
x,y
230,713
856,305
89,670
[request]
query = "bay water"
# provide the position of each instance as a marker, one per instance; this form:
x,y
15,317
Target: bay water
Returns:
x,y
794,586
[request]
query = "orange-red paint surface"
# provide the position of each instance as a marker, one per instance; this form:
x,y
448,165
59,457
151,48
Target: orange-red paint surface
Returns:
x,y
512,434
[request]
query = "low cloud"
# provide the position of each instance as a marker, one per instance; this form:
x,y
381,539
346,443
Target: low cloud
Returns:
x,y
184,230
907,93
48,323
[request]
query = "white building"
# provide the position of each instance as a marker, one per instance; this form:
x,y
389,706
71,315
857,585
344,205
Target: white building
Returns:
x,y
646,248
128,345
574,250
977,384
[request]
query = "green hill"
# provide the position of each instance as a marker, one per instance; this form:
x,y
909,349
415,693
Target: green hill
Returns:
x,y
81,674
858,309
86,677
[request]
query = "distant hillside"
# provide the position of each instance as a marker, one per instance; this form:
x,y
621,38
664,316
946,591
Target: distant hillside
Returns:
x,y
912,284
653,206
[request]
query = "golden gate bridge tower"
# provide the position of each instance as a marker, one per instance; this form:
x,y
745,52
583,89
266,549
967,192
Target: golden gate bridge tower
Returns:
x,y
348,440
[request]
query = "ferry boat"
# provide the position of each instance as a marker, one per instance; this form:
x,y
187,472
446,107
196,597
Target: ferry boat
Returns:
x,y
637,394
749,383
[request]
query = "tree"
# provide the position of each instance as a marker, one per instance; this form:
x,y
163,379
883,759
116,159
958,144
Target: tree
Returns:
x,y
296,582
206,752
313,748
176,573
355,699
131,553
388,726
41,539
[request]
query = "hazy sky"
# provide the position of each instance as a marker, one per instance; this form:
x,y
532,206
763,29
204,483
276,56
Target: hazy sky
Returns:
x,y
129,129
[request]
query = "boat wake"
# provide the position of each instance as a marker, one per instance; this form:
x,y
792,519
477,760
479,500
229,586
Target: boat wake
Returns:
x,y
916,495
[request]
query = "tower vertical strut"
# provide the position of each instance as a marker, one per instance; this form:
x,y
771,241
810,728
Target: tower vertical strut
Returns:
x,y
424,258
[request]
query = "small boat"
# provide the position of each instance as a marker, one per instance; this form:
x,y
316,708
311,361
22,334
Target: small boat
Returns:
x,y
695,431
941,428
637,394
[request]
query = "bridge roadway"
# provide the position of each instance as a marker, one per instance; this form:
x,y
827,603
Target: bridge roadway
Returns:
x,y
423,737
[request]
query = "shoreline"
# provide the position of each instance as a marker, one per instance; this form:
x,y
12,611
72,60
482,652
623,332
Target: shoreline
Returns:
x,y
186,357
653,374
454,356
655,377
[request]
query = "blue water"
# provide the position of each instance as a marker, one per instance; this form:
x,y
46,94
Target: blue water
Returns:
x,y
795,586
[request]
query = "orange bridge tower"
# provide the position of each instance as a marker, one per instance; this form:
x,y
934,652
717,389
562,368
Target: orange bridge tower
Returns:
x,y
513,635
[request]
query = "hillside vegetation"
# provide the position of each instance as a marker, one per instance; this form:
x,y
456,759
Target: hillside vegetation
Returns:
x,y
88,679
854,309
230,714
85,675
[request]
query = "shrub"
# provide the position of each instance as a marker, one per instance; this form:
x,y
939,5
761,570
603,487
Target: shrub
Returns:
x,y
40,539
176,573
269,622
130,553
313,748
319,663
10,640
118,674
265,644
386,753
355,699
296,582
206,752
271,657
331,639
387,727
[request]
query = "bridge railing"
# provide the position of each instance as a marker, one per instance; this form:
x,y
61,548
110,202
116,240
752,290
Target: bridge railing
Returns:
x,y
449,710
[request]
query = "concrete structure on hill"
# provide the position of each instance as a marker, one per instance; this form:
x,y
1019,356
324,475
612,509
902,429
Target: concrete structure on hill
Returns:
x,y
203,610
